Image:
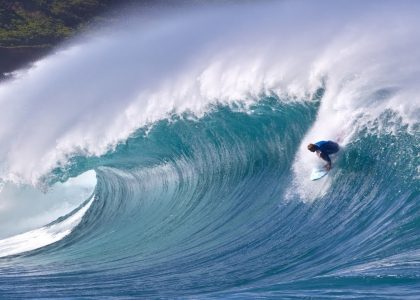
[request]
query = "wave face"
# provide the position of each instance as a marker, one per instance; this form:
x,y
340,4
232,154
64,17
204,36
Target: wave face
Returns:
x,y
202,185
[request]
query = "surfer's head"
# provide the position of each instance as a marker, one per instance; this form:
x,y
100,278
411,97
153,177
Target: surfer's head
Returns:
x,y
312,147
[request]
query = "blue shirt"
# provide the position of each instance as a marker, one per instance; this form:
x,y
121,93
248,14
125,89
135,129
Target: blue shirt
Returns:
x,y
327,148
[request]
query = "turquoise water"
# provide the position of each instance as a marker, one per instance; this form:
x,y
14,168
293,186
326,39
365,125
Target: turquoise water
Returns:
x,y
165,157
197,208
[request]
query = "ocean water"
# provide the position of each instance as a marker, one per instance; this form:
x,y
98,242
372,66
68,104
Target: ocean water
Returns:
x,y
165,157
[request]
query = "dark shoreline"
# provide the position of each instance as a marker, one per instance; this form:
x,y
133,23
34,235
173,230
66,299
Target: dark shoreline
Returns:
x,y
14,58
23,40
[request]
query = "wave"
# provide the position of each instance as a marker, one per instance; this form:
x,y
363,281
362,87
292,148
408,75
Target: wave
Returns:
x,y
94,93
203,202
195,124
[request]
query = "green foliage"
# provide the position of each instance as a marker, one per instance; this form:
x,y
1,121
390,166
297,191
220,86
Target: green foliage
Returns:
x,y
45,22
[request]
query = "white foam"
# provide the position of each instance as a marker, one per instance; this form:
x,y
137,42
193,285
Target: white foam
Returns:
x,y
94,93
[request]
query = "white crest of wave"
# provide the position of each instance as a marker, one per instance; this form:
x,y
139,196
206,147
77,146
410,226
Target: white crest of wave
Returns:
x,y
96,91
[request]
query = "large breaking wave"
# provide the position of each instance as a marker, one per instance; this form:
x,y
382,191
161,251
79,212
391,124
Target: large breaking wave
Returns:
x,y
195,122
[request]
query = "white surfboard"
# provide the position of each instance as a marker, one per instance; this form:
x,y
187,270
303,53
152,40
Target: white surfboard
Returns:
x,y
318,173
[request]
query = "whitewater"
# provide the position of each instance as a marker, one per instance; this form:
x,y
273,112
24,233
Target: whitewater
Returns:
x,y
165,156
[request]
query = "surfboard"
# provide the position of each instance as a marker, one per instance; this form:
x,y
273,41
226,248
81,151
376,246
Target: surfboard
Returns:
x,y
318,173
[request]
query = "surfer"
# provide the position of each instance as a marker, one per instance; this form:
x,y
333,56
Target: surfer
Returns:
x,y
323,149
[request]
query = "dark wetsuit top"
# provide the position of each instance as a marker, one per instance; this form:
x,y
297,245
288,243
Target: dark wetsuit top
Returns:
x,y
327,148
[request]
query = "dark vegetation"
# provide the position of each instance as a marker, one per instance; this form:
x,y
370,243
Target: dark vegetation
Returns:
x,y
30,28
45,22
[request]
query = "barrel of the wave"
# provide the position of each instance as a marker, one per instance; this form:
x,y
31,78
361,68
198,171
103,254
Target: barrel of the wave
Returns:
x,y
58,224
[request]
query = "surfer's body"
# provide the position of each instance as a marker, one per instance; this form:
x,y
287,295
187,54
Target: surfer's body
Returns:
x,y
323,149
